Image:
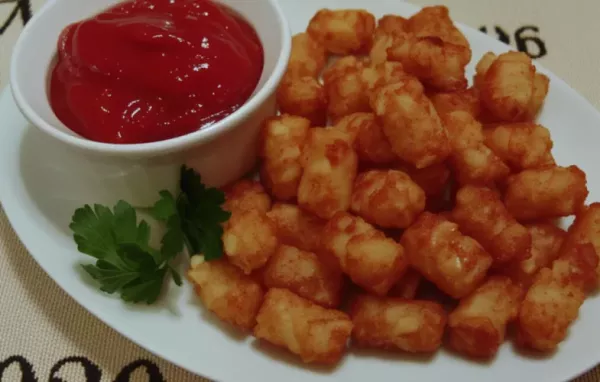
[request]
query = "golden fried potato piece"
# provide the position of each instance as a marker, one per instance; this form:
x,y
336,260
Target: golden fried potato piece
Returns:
x,y
304,97
546,193
307,57
345,88
387,198
246,195
349,83
392,24
553,301
546,242
304,274
232,296
316,334
435,21
463,100
472,161
478,166
371,260
397,324
330,165
411,123
455,263
432,180
391,30
541,85
249,239
370,142
480,214
521,145
408,285
478,325
296,227
507,87
431,48
483,65
343,31
282,140
585,230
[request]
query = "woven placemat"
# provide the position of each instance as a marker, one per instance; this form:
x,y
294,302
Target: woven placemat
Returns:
x,y
46,336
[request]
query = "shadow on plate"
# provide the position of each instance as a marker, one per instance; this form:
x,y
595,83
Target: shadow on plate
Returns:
x,y
281,355
392,356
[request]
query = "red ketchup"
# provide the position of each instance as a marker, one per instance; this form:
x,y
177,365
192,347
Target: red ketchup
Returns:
x,y
150,70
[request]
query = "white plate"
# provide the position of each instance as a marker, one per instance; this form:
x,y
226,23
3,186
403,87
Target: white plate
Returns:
x,y
42,183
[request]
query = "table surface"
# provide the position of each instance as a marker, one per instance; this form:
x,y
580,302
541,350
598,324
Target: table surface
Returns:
x,y
50,336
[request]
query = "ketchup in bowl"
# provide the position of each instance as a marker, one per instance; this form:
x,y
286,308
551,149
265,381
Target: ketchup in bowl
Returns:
x,y
150,70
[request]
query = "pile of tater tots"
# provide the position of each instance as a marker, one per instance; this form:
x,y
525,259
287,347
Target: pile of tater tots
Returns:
x,y
399,208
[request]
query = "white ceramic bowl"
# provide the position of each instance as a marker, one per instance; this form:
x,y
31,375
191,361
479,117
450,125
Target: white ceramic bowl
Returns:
x,y
221,153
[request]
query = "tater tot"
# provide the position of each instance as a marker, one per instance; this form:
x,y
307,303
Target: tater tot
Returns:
x,y
408,285
232,296
397,324
370,142
478,325
432,49
316,334
464,100
507,87
296,227
387,198
304,97
283,139
541,85
330,166
371,260
472,161
246,195
343,31
304,274
478,166
307,57
546,242
521,145
455,263
435,21
392,24
249,239
345,88
585,230
480,214
546,193
411,123
553,301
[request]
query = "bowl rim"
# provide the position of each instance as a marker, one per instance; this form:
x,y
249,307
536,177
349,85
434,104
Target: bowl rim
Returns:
x,y
176,144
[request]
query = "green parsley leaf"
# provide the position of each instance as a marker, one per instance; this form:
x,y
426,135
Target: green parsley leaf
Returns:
x,y
125,261
201,209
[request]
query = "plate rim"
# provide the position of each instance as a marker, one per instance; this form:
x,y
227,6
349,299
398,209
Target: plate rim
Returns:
x,y
11,212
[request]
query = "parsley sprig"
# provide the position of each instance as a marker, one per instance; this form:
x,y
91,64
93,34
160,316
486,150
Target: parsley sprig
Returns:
x,y
125,261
